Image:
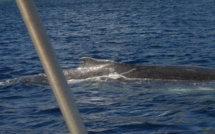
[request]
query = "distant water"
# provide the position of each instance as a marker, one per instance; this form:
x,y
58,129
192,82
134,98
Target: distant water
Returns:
x,y
139,32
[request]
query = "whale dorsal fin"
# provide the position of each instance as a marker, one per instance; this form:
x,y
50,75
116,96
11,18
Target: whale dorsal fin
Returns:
x,y
89,62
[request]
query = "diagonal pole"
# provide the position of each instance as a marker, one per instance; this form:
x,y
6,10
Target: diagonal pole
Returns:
x,y
51,66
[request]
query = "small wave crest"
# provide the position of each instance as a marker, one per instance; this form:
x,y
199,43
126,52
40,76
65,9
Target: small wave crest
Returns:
x,y
2,83
8,82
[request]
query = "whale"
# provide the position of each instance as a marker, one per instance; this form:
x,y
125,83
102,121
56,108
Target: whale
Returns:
x,y
96,67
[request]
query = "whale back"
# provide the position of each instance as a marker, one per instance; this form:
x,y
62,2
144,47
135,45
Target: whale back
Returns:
x,y
94,67
91,62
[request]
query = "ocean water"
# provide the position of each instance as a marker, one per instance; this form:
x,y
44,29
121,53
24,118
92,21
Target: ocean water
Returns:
x,y
139,32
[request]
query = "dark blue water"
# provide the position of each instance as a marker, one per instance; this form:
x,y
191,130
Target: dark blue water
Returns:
x,y
139,32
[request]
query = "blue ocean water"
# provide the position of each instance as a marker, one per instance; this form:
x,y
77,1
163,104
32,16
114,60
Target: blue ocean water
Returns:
x,y
140,32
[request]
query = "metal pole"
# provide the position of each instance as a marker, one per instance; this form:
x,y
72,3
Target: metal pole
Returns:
x,y
51,66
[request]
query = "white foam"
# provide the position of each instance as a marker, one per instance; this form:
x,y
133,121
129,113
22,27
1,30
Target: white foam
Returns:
x,y
103,78
2,83
206,88
188,90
